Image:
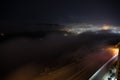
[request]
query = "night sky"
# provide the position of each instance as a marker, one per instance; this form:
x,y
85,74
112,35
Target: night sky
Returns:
x,y
61,11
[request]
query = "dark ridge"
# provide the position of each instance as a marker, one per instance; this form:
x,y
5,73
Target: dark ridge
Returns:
x,y
28,27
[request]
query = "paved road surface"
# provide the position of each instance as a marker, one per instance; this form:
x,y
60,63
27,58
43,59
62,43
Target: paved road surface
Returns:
x,y
81,69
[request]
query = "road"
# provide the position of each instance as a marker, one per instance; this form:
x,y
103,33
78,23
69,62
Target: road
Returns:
x,y
79,69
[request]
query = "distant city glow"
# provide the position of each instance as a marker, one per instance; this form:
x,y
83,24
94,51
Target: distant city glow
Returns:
x,y
106,27
80,28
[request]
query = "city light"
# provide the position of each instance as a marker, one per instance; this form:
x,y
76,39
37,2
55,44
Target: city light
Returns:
x,y
113,50
106,27
80,28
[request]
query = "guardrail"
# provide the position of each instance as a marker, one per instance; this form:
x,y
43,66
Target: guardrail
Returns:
x,y
101,72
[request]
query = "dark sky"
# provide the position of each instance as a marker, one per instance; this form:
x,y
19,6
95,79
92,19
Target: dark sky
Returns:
x,y
61,11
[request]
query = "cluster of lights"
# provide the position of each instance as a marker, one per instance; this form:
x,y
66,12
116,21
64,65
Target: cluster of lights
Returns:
x,y
78,29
